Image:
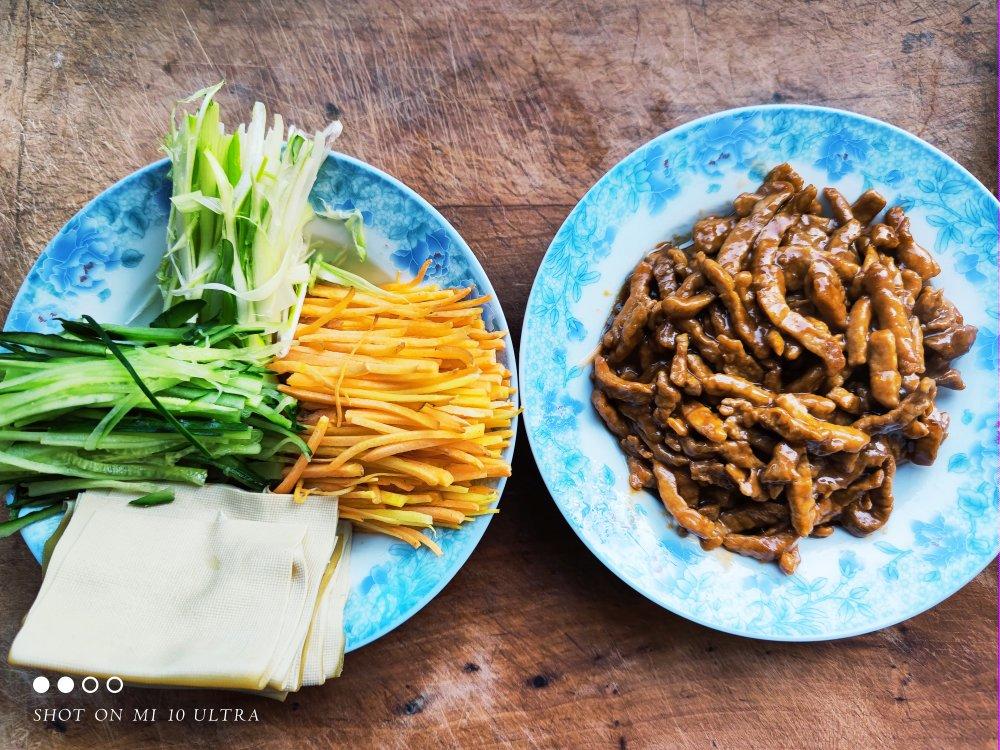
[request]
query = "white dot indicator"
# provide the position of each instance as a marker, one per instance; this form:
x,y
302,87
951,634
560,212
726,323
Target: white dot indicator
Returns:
x,y
40,684
116,682
65,684
90,684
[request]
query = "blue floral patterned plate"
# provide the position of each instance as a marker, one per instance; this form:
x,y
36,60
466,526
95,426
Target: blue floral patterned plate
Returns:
x,y
103,263
943,530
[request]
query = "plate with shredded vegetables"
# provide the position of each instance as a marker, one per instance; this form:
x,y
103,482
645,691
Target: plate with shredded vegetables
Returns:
x,y
760,374
261,311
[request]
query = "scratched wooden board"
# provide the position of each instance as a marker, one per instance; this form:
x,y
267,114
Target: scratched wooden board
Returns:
x,y
502,115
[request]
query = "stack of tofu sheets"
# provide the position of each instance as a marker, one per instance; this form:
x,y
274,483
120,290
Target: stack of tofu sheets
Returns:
x,y
220,588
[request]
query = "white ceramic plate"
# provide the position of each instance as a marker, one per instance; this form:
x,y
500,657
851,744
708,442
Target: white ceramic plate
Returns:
x,y
944,527
103,262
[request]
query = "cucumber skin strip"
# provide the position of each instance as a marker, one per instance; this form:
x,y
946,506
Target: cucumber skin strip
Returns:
x,y
16,524
157,497
51,486
179,473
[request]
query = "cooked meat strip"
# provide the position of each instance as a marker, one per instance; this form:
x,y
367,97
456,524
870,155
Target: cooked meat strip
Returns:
x,y
692,493
818,222
868,205
687,517
665,396
678,425
809,380
679,259
756,516
706,344
943,374
739,453
789,559
913,405
704,421
801,502
721,324
923,452
633,446
766,548
817,405
833,437
747,482
839,206
680,375
709,233
827,292
676,306
721,384
784,172
743,204
914,430
691,284
912,283
944,328
858,323
840,252
663,271
609,415
783,467
882,235
861,521
883,369
775,341
639,475
628,325
739,241
654,441
845,400
617,387
666,335
711,472
908,252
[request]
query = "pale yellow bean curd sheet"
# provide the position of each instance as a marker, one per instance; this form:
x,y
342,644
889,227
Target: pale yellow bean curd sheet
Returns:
x,y
409,408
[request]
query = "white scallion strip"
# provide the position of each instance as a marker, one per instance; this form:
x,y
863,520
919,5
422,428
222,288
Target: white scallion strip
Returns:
x,y
239,232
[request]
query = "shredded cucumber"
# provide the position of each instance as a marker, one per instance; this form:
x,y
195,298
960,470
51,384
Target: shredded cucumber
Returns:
x,y
126,408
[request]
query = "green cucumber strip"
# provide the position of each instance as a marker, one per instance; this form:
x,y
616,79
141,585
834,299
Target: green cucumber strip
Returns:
x,y
136,471
52,342
179,314
160,497
287,434
204,395
57,486
107,424
14,525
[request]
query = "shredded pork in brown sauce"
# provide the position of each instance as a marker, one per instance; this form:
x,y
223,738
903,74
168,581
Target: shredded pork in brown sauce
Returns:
x,y
768,380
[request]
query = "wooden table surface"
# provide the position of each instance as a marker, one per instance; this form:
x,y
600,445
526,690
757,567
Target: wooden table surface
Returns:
x,y
503,114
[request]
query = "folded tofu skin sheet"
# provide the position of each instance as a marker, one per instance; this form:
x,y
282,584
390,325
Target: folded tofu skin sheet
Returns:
x,y
221,588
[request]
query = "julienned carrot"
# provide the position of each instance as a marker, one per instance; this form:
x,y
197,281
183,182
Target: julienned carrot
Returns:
x,y
416,404
288,483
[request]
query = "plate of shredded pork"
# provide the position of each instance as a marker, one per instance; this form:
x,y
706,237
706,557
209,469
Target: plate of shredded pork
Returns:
x,y
759,372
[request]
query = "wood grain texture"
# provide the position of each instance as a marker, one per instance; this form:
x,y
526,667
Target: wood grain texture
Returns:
x,y
502,114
